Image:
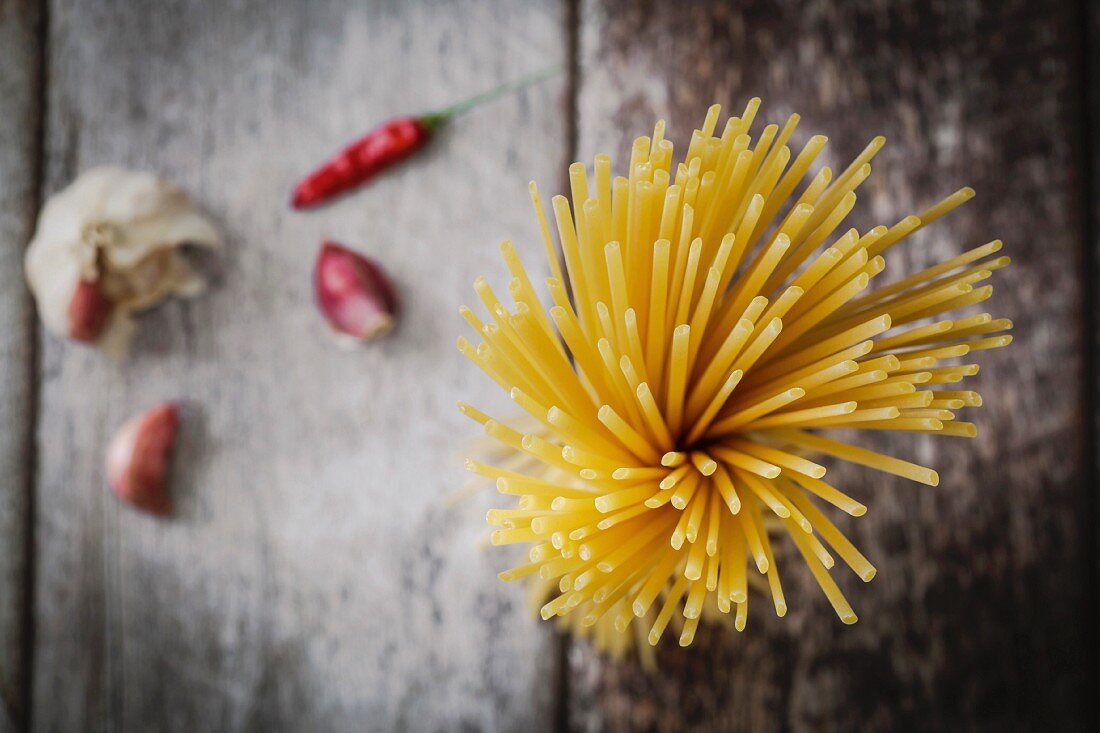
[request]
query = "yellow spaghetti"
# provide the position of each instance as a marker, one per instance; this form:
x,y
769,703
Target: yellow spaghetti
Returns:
x,y
713,318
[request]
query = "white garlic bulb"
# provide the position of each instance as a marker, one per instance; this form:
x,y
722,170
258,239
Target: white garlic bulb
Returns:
x,y
108,246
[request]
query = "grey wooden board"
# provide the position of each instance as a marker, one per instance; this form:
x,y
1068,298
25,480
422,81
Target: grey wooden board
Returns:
x,y
976,618
311,577
1089,202
19,122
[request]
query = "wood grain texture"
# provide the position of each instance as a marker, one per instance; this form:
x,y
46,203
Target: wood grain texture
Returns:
x,y
311,577
20,103
1089,48
975,618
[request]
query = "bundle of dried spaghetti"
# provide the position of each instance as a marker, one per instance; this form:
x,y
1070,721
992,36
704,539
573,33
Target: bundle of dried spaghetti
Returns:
x,y
713,319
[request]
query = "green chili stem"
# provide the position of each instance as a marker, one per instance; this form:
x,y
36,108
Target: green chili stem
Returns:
x,y
434,119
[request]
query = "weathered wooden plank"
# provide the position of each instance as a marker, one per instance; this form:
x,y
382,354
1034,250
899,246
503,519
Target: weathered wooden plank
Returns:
x,y
974,620
20,109
311,578
1089,200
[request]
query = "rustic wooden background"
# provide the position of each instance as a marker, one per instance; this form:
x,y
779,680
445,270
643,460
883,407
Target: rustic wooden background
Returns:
x,y
312,577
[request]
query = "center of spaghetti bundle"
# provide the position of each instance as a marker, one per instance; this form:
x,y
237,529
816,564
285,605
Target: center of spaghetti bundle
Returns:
x,y
712,318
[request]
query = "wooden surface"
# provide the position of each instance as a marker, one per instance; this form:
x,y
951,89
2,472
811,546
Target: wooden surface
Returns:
x,y
312,577
975,619
20,104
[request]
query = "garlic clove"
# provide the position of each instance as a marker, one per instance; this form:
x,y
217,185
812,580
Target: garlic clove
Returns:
x,y
88,311
122,232
137,458
353,293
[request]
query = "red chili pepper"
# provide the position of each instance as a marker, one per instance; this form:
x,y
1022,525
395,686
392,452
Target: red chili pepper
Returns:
x,y
361,161
386,146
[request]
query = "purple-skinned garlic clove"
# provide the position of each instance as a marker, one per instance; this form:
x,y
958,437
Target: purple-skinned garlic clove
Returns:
x,y
88,312
353,293
138,456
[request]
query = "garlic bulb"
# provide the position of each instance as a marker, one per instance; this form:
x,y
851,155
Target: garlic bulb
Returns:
x,y
108,246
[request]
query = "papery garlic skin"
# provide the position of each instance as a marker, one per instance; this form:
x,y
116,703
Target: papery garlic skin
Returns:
x,y
137,458
118,232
